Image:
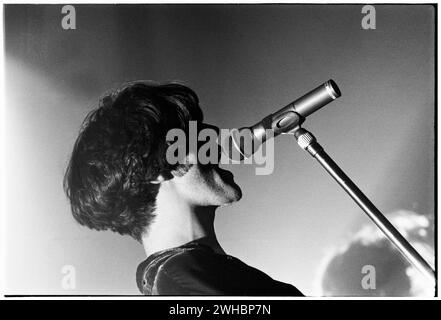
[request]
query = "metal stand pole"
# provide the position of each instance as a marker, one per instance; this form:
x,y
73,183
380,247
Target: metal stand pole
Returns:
x,y
309,143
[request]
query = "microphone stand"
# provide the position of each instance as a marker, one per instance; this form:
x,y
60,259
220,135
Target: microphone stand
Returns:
x,y
309,143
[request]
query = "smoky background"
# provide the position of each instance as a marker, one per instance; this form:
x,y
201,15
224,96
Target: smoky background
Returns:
x,y
244,61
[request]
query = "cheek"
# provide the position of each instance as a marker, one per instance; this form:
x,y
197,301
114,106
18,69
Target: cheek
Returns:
x,y
225,191
196,183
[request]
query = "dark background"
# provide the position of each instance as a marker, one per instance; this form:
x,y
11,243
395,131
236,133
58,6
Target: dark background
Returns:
x,y
244,61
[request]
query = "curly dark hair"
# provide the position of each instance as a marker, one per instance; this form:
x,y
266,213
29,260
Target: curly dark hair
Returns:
x,y
121,148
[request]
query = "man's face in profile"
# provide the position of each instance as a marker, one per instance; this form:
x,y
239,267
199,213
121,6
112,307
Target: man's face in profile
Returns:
x,y
208,184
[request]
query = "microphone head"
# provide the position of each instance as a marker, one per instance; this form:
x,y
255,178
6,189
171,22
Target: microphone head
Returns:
x,y
316,98
242,143
333,89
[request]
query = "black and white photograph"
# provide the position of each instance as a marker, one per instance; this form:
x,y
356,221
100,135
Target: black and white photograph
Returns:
x,y
227,149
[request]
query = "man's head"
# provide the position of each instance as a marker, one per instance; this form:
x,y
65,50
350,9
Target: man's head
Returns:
x,y
119,159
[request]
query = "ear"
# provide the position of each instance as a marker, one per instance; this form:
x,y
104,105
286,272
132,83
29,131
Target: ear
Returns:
x,y
161,178
158,180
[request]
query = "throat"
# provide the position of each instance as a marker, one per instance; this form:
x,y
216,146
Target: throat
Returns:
x,y
175,225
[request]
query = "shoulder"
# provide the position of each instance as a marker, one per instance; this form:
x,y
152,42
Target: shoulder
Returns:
x,y
195,271
181,271
201,271
190,260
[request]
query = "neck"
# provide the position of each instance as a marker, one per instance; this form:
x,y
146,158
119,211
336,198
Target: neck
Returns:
x,y
177,222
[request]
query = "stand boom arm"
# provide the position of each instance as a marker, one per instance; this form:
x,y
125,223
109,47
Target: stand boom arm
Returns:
x,y
309,143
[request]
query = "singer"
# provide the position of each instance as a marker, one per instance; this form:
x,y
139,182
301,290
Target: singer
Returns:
x,y
118,179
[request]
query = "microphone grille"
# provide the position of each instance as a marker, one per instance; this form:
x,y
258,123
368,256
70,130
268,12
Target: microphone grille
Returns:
x,y
332,89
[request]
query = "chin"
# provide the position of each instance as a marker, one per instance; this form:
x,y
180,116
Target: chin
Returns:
x,y
238,194
233,195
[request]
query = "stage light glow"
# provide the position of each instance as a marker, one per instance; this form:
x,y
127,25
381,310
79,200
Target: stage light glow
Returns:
x,y
340,273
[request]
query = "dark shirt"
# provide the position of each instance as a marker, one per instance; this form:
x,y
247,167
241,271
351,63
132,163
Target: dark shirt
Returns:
x,y
196,269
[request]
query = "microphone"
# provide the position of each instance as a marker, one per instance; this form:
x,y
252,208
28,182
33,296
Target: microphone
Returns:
x,y
245,141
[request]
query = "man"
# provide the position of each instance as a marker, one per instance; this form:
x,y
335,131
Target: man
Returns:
x,y
119,178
